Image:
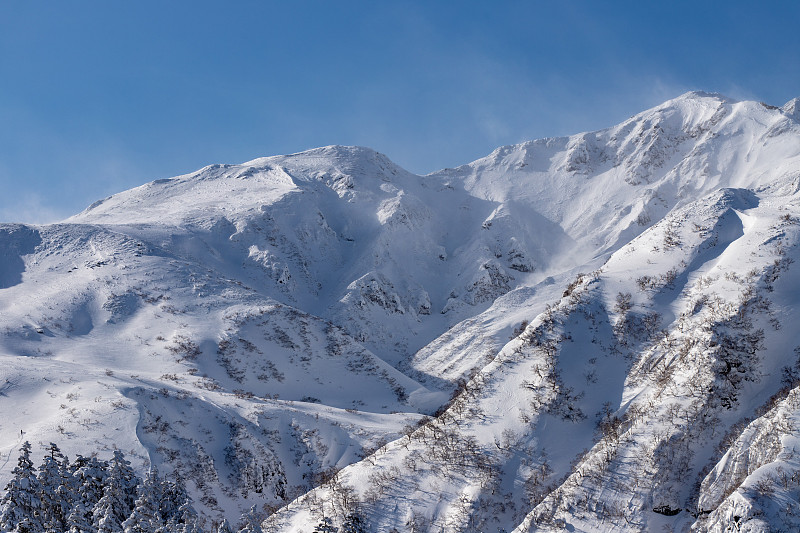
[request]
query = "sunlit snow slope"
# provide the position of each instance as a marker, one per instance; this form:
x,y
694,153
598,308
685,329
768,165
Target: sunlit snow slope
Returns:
x,y
589,333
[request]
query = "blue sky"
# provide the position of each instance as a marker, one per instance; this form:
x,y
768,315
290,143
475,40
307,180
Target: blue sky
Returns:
x,y
100,96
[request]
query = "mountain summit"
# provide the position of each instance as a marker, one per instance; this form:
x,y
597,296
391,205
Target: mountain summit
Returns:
x,y
586,333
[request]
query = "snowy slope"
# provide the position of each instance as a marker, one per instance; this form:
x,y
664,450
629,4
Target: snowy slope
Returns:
x,y
599,325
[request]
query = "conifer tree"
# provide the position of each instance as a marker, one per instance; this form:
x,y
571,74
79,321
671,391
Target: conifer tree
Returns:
x,y
79,519
173,497
89,476
250,522
146,516
56,489
224,527
119,496
20,508
93,496
188,520
112,509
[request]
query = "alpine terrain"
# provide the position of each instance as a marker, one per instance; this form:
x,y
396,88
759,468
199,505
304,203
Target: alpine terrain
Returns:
x,y
586,333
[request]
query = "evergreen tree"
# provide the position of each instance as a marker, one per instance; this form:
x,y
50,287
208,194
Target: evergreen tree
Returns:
x,y
89,476
20,508
188,520
119,496
173,497
112,509
176,507
250,522
79,519
67,493
92,496
146,516
56,489
224,527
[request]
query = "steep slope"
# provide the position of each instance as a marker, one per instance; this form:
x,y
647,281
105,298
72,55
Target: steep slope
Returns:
x,y
654,393
541,439
215,324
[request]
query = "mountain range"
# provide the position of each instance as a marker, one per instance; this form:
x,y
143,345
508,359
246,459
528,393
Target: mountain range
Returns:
x,y
584,333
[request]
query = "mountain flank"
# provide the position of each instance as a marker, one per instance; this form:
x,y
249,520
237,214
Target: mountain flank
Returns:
x,y
584,333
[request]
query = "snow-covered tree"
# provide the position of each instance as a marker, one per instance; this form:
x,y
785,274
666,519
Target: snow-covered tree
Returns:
x,y
112,509
172,497
93,496
79,519
119,496
89,475
146,515
20,508
224,527
57,489
250,522
188,520
176,507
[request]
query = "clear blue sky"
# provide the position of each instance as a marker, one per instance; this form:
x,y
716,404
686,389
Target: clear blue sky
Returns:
x,y
100,96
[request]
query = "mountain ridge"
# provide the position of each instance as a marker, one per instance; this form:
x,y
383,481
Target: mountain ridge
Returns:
x,y
254,295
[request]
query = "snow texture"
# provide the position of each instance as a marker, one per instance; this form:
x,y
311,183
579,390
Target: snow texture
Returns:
x,y
587,333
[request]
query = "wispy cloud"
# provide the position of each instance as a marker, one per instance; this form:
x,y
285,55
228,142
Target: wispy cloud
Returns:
x,y
29,208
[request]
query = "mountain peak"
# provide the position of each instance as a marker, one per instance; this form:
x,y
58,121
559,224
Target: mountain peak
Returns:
x,y
334,152
701,95
250,327
792,108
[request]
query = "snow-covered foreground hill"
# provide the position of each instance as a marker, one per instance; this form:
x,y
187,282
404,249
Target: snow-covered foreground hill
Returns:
x,y
590,333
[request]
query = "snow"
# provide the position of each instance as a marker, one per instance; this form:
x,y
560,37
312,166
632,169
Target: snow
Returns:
x,y
598,322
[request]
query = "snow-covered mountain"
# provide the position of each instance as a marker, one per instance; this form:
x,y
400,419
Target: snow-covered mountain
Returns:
x,y
588,333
